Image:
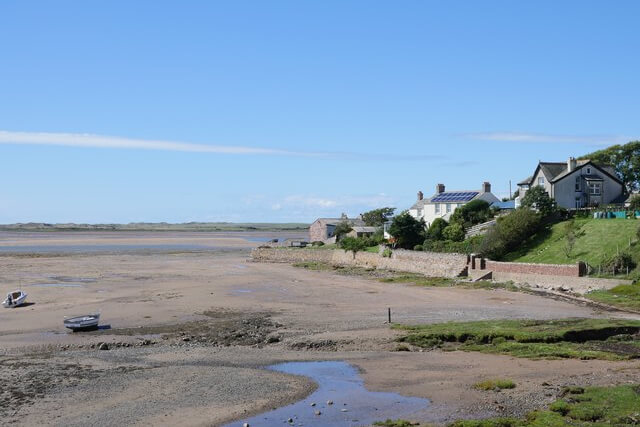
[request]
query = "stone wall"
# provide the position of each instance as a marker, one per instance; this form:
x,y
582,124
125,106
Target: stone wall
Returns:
x,y
570,270
426,263
564,283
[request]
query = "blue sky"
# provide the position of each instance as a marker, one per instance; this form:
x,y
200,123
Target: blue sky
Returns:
x,y
285,111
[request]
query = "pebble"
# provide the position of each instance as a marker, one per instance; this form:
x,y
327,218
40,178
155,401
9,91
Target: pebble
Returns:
x,y
317,412
245,425
329,402
313,404
103,346
343,410
290,420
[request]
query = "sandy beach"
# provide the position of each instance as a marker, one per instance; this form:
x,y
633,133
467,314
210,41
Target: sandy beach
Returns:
x,y
190,331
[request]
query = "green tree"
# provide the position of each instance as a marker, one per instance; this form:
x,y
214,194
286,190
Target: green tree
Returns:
x,y
472,213
510,232
434,232
353,244
342,229
377,217
625,159
569,237
407,231
538,198
635,203
453,232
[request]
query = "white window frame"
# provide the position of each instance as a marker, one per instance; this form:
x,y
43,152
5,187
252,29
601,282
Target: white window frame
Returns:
x,y
578,184
541,181
448,207
595,186
437,205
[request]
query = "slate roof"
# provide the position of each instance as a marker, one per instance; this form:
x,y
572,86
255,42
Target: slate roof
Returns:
x,y
555,171
336,221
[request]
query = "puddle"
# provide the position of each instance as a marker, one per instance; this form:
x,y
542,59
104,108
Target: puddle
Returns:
x,y
58,285
353,404
241,291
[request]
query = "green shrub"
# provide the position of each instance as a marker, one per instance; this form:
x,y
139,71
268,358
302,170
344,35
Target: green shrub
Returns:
x,y
453,232
436,228
560,406
472,213
317,243
538,199
353,244
418,248
510,232
387,253
407,231
495,384
635,203
619,263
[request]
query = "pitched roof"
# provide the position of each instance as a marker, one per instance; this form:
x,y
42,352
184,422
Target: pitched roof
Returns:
x,y
364,229
526,181
552,169
335,221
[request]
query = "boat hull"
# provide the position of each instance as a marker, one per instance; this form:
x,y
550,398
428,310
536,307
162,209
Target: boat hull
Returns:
x,y
82,323
16,301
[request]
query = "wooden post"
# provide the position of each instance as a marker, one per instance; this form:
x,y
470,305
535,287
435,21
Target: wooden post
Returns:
x,y
389,314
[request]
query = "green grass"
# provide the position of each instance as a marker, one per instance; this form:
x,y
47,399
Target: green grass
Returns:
x,y
623,296
443,282
598,239
588,407
494,384
533,339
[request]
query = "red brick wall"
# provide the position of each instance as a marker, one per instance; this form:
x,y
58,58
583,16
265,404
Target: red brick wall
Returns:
x,y
571,270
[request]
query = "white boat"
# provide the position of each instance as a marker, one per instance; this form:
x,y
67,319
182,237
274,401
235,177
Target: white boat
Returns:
x,y
14,299
78,323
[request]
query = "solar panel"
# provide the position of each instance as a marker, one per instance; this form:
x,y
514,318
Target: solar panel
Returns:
x,y
455,196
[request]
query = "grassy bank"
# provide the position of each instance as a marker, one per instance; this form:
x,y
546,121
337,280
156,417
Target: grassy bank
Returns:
x,y
623,296
596,239
609,339
582,407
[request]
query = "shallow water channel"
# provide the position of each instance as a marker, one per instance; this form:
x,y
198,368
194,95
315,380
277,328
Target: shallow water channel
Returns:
x,y
353,404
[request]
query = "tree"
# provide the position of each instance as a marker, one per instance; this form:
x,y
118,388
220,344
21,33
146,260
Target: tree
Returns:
x,y
341,229
472,213
538,198
407,231
634,204
625,159
435,230
510,232
569,237
353,244
453,232
377,217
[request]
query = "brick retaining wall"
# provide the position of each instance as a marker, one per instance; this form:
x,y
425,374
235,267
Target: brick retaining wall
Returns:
x,y
571,270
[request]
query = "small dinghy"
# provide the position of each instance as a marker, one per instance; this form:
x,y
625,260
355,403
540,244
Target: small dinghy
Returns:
x,y
14,299
81,323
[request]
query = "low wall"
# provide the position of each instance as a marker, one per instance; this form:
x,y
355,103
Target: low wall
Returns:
x,y
565,283
569,270
427,263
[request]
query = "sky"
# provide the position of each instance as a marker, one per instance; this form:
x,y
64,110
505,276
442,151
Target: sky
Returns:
x,y
285,111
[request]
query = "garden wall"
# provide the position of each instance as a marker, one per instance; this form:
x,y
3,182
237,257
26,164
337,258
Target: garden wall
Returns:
x,y
570,270
426,263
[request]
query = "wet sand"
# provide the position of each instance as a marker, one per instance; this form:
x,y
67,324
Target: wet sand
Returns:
x,y
191,330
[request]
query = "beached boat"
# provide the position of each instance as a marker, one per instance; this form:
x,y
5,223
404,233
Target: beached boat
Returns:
x,y
14,299
84,322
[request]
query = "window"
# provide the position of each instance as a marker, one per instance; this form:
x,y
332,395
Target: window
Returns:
x,y
577,183
525,187
448,207
541,180
595,188
588,171
437,205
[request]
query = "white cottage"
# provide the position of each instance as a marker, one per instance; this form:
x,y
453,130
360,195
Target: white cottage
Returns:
x,y
575,183
443,203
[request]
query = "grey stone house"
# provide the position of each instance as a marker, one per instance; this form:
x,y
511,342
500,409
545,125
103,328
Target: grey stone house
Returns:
x,y
322,229
575,183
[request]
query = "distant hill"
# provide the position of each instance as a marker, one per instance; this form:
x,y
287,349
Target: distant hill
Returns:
x,y
157,226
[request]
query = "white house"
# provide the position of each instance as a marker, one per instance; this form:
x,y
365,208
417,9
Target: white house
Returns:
x,y
443,203
575,183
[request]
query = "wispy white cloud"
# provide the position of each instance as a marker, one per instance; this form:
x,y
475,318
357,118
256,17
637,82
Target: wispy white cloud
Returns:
x,y
85,140
551,138
101,141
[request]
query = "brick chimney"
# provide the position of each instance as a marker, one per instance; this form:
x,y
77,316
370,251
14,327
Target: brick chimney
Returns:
x,y
439,188
420,195
486,187
571,164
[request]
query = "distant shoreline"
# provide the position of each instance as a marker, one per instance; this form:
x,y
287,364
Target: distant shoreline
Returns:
x,y
161,226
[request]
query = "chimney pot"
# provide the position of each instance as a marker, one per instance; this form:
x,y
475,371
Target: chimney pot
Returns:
x,y
486,187
439,188
420,195
571,164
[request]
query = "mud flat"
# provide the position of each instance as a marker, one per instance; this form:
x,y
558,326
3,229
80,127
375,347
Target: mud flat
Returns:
x,y
192,332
